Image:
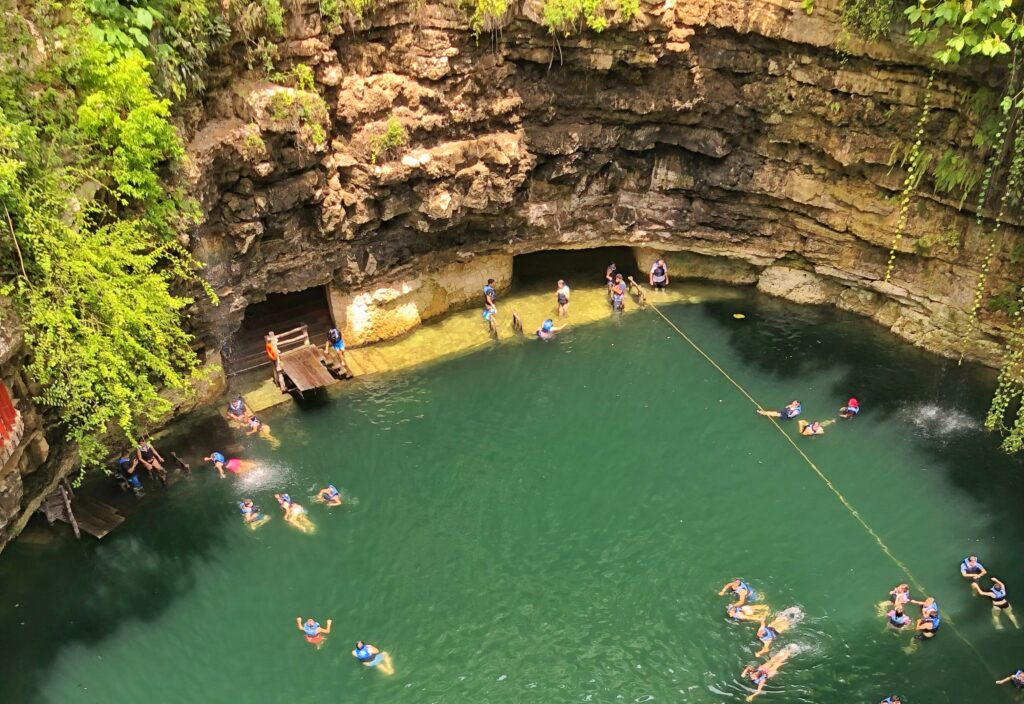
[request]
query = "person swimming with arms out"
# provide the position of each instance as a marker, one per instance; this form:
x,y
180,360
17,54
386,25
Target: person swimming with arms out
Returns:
x,y
251,515
233,465
970,568
369,656
658,278
126,470
789,411
783,621
897,620
313,631
997,593
329,495
294,513
742,591
548,329
1017,679
149,458
762,673
562,298
928,604
618,294
748,612
851,409
238,412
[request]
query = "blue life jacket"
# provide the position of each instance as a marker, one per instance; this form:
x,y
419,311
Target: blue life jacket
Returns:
x,y
901,620
310,629
934,620
1018,678
123,464
489,291
761,677
246,510
794,412
363,654
333,335
742,586
332,491
976,569
286,499
546,327
217,457
769,635
998,593
237,407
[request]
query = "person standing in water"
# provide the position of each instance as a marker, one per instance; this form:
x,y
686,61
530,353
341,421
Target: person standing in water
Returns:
x,y
313,631
1017,678
490,296
997,593
658,277
742,591
609,276
150,459
369,656
928,625
548,329
619,294
970,568
562,297
788,412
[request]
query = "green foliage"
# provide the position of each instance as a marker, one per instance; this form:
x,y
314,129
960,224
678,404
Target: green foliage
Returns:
x,y
303,77
956,174
89,252
869,19
386,144
307,107
807,6
273,16
483,14
982,27
948,238
568,16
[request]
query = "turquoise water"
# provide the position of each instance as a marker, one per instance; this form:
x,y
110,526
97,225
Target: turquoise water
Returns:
x,y
551,523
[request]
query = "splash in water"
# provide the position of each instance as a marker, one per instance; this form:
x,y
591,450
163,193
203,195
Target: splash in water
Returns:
x,y
935,420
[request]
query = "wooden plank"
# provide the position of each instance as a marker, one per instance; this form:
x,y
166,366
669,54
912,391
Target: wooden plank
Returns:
x,y
304,368
97,518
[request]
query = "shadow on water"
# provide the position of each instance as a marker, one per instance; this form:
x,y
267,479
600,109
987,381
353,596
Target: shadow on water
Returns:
x,y
67,593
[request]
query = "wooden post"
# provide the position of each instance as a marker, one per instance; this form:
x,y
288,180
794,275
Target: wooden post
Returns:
x,y
67,507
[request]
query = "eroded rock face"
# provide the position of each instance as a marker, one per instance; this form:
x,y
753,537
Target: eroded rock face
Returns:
x,y
729,134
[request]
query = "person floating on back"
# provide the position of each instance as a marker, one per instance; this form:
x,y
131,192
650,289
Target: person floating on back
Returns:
x,y
850,410
1017,678
789,411
256,426
329,495
659,275
490,296
251,514
562,297
548,329
619,294
997,593
970,568
313,631
748,612
294,513
369,656
742,591
812,428
238,413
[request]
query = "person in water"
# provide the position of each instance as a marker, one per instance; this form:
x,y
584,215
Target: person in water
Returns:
x,y
748,612
335,345
997,593
894,699
897,619
659,275
742,591
294,513
238,413
619,294
490,296
313,631
548,329
762,673
928,625
1017,678
788,412
151,460
783,621
813,428
899,595
233,465
609,276
851,409
970,568
329,495
369,656
258,427
251,514
562,297
126,471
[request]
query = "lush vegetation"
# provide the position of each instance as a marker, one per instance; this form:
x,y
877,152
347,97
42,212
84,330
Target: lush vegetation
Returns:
x,y
561,17
386,143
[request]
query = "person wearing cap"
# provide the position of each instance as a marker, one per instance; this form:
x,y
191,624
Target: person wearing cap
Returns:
x,y
562,296
548,329
851,409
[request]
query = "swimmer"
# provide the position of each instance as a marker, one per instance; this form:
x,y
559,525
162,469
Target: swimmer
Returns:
x,y
850,410
256,426
783,621
899,595
1017,678
897,619
562,297
294,513
894,699
997,593
233,465
748,612
762,673
313,631
490,296
928,625
370,656
928,604
238,412
150,459
548,329
251,515
618,290
659,275
970,568
742,591
329,495
790,411
815,428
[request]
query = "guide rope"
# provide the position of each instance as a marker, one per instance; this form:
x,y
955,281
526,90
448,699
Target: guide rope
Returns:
x,y
821,475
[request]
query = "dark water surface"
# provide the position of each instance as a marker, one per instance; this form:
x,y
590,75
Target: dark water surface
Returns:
x,y
551,523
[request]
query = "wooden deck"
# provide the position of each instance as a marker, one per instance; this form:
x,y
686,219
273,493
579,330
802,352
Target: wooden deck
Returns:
x,y
304,366
90,515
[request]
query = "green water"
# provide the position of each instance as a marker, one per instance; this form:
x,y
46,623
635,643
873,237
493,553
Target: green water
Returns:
x,y
551,523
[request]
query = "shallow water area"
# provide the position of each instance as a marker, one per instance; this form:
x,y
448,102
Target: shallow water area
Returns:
x,y
545,522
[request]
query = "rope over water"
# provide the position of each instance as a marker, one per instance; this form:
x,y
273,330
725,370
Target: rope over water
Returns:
x,y
821,475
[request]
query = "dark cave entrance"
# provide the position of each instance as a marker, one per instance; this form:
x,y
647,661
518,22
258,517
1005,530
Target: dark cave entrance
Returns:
x,y
579,266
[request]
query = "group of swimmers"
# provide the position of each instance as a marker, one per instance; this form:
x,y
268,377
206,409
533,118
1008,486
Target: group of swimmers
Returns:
x,y
794,408
366,654
743,609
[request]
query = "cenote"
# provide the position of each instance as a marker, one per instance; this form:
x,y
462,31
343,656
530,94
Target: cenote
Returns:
x,y
551,523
